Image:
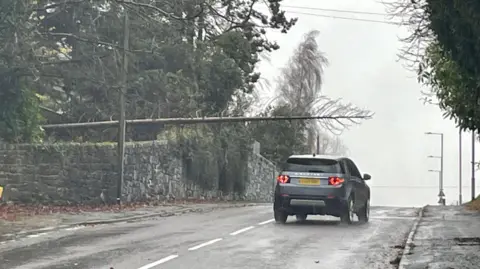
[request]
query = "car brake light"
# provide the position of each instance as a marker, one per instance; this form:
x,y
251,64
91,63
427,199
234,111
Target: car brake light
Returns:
x,y
335,181
283,179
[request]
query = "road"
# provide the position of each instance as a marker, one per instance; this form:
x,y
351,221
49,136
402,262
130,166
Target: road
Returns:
x,y
230,238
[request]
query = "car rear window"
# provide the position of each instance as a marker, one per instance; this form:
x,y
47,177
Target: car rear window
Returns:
x,y
313,165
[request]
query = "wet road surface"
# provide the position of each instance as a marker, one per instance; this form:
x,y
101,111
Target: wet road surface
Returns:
x,y
447,237
231,238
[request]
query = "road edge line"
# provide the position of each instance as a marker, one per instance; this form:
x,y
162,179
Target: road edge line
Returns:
x,y
409,243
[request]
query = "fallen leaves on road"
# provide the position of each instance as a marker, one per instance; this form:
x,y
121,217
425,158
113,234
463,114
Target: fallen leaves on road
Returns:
x,y
11,212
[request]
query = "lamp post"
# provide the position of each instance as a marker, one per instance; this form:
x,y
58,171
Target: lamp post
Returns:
x,y
459,166
441,199
441,194
473,165
440,176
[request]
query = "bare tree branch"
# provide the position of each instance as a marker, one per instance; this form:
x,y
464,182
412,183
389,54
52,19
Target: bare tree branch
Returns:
x,y
300,87
412,54
413,16
161,11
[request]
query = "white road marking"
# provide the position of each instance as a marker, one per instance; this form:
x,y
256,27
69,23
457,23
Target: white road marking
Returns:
x,y
266,222
164,260
205,244
75,228
36,235
242,230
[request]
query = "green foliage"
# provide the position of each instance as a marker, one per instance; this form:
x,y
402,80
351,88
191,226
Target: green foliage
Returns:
x,y
20,116
280,139
19,106
186,59
452,63
450,86
179,67
70,54
215,157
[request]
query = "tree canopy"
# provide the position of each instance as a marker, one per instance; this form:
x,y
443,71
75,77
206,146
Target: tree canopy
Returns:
x,y
186,57
445,47
61,62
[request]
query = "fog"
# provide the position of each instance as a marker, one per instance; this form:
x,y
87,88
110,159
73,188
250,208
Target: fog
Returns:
x,y
364,69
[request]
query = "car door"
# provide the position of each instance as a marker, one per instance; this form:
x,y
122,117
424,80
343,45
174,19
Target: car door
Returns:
x,y
360,187
346,169
352,182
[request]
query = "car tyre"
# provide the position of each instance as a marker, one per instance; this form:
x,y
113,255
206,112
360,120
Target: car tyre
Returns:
x,y
301,217
280,216
348,213
364,214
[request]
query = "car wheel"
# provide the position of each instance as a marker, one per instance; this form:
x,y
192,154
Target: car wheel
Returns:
x,y
364,214
348,213
301,217
280,216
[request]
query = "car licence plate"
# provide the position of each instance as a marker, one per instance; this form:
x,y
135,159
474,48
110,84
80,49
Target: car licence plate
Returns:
x,y
309,181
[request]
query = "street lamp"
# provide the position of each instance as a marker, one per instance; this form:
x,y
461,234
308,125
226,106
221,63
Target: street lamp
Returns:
x,y
460,166
440,194
473,165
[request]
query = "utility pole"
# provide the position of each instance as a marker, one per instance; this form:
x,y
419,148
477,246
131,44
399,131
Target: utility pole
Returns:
x,y
121,127
318,144
473,165
459,166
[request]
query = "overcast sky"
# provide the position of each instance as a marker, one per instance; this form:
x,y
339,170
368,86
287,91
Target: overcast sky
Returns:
x,y
364,70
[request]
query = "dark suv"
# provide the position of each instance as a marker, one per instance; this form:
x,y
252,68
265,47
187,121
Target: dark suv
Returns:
x,y
321,185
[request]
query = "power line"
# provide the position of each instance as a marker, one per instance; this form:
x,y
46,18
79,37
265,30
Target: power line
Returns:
x,y
343,18
338,10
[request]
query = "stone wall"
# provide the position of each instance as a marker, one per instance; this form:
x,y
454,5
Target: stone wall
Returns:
x,y
73,173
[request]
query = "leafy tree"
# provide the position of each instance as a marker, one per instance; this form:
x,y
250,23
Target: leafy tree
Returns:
x,y
455,26
19,106
188,58
449,85
213,54
445,51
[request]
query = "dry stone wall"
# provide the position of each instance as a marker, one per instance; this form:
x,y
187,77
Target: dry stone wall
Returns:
x,y
74,173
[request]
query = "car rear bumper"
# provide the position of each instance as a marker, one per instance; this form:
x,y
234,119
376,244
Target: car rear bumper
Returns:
x,y
293,205
322,201
311,191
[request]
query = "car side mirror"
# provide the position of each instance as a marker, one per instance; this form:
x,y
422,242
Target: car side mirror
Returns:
x,y
367,177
